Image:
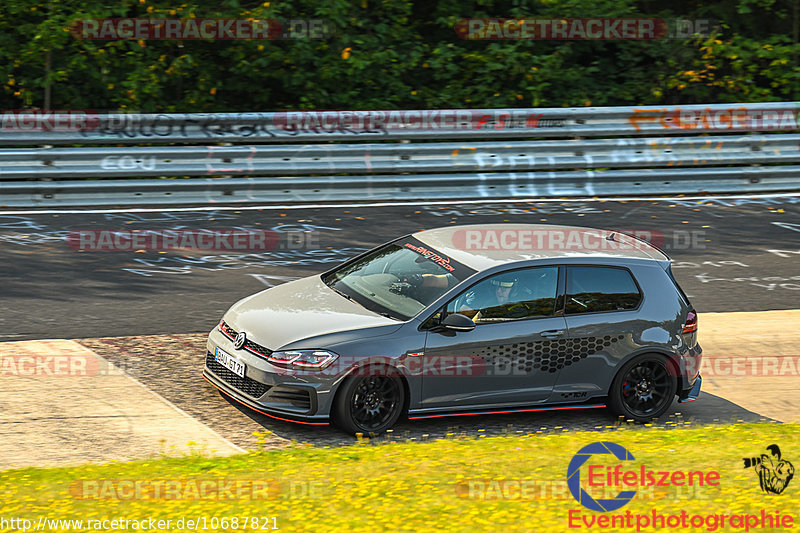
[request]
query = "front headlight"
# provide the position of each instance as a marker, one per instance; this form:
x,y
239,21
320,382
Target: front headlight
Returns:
x,y
304,359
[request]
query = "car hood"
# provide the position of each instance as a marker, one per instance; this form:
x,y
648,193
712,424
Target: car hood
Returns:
x,y
297,310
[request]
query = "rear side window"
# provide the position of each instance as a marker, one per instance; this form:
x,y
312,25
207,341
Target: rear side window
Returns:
x,y
596,289
675,282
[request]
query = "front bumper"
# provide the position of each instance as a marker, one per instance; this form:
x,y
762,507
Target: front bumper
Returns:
x,y
301,397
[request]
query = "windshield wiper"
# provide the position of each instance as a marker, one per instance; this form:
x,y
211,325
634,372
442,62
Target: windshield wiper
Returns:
x,y
345,295
384,314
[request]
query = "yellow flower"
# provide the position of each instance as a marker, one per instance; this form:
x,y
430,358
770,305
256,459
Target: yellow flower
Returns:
x,y
346,53
213,90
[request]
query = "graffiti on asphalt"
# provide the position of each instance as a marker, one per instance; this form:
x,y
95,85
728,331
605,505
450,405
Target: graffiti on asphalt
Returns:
x,y
467,210
767,282
689,264
29,238
187,264
788,225
19,222
784,253
736,202
172,216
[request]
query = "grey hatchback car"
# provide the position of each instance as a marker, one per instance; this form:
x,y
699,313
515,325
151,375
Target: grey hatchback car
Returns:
x,y
466,320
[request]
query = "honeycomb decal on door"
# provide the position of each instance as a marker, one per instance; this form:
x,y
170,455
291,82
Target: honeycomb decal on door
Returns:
x,y
545,356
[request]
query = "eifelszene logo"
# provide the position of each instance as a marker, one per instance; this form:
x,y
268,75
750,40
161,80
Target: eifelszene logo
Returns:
x,y
602,477
774,473
574,477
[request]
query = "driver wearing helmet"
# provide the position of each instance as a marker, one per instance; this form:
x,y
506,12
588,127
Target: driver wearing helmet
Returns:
x,y
492,299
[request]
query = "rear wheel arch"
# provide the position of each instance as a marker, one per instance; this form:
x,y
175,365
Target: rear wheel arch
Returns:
x,y
672,358
645,386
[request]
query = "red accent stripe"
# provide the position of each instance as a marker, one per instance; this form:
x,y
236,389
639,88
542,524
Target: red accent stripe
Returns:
x,y
246,348
226,334
255,352
505,412
262,412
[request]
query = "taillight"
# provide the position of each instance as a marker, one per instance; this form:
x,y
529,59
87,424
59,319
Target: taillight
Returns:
x,y
690,326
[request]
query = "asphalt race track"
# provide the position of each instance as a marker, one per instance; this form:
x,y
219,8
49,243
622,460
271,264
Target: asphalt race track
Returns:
x,y
148,311
721,256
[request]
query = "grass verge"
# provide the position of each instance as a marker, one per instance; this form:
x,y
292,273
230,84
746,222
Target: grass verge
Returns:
x,y
515,482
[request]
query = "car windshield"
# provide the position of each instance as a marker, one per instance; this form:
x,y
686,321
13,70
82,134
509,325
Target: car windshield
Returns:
x,y
399,279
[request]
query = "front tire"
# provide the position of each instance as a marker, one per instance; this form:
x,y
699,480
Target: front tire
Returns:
x,y
644,388
369,405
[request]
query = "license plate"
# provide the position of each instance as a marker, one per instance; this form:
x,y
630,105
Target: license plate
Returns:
x,y
229,362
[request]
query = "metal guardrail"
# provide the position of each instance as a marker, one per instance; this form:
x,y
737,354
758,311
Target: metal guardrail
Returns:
x,y
371,155
270,160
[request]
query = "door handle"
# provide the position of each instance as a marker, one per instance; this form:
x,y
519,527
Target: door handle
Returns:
x,y
552,333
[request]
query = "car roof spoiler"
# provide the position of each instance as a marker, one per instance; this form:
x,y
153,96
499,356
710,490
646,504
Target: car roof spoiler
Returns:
x,y
665,262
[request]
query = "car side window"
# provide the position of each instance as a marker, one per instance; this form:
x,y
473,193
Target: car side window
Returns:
x,y
516,295
593,289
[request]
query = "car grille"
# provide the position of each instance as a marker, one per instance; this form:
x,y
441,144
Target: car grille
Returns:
x,y
251,387
249,345
296,397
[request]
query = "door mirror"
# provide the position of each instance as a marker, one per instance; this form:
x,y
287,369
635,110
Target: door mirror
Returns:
x,y
458,322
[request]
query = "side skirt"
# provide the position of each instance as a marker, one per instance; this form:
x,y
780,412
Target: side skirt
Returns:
x,y
497,412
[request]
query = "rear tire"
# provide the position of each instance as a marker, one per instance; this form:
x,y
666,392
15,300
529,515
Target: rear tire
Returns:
x,y
644,388
369,405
